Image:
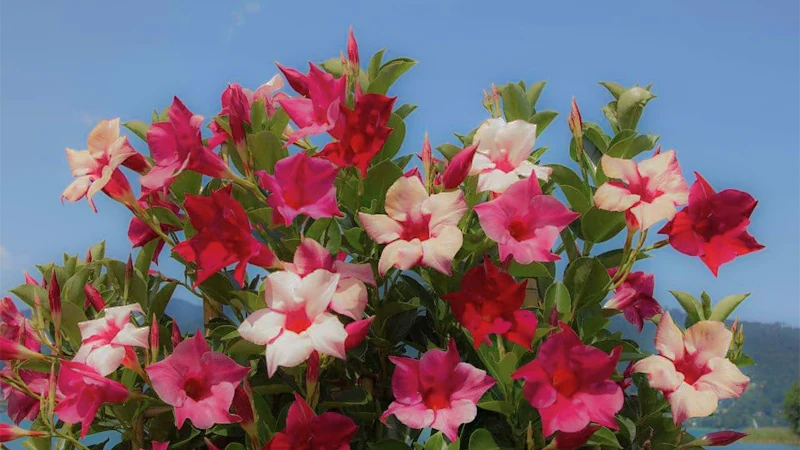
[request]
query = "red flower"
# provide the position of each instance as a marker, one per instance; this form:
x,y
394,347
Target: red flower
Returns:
x,y
634,297
571,441
489,303
223,237
308,431
714,225
361,132
140,234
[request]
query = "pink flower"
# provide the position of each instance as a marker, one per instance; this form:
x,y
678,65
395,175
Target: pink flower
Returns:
x,y
236,105
10,432
295,321
223,237
648,191
160,445
97,168
458,168
634,297
177,145
437,391
198,383
502,154
20,405
569,383
106,342
318,111
691,370
419,229
301,185
524,222
350,298
356,332
81,392
714,225
15,327
140,234
308,431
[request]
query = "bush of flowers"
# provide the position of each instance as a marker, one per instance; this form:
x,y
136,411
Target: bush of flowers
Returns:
x,y
358,298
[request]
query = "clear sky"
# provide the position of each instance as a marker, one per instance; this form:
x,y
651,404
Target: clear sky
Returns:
x,y
725,72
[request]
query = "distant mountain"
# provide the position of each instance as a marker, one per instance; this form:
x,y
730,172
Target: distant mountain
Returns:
x,y
776,350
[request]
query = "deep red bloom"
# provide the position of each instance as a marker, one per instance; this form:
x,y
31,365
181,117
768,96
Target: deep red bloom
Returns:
x,y
308,431
360,132
571,441
177,145
714,225
489,302
140,234
223,237
237,107
634,297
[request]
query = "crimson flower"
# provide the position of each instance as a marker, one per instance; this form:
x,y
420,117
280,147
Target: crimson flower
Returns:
x,y
714,225
176,145
308,431
489,302
634,297
360,132
223,237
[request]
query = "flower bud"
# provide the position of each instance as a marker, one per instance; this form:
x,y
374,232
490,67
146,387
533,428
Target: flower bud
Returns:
x,y
721,438
352,48
88,258
29,279
14,351
54,296
129,270
356,332
575,121
210,444
11,432
427,161
93,298
176,334
458,168
243,407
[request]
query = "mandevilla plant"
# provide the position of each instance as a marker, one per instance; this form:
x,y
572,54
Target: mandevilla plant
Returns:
x,y
396,310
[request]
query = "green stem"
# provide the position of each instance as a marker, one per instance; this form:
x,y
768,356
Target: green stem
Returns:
x,y
569,245
69,438
251,187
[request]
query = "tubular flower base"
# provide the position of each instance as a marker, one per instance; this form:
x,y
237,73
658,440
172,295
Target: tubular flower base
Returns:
x,y
357,297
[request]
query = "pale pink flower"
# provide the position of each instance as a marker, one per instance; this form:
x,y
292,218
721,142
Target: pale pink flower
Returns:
x,y
648,192
296,320
81,391
437,391
106,342
350,298
198,383
97,168
502,155
524,222
418,228
691,370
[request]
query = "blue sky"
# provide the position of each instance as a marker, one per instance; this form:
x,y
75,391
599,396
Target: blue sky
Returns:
x,y
726,76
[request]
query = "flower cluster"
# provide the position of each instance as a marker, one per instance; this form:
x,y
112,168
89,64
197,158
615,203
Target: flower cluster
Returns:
x,y
348,298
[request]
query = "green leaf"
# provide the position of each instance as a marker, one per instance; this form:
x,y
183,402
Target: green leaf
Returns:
x,y
72,291
448,150
587,281
610,112
404,110
481,439
389,73
98,251
334,235
532,270
354,237
350,397
598,225
165,215
436,442
162,298
235,446
534,91
515,103
693,308
258,114
333,66
379,178
630,105
71,315
375,64
725,307
138,128
394,141
317,229
613,258
145,257
621,143
388,444
605,437
557,295
572,186
266,150
187,182
500,406
615,89
542,119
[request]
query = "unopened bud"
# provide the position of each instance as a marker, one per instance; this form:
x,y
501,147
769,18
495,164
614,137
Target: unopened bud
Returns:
x,y
14,351
175,336
88,257
11,432
93,298
29,279
575,121
719,438
352,49
54,296
458,169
